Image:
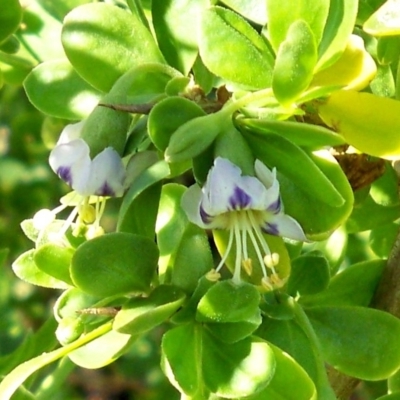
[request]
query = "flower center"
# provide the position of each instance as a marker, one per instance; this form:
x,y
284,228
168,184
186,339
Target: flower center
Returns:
x,y
85,215
243,226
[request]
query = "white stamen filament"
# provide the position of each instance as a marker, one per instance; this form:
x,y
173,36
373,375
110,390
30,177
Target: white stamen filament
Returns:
x,y
227,251
238,261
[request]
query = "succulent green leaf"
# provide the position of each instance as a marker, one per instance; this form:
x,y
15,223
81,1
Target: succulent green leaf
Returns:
x,y
10,17
185,254
195,136
103,42
310,274
102,351
358,341
369,123
144,192
302,134
317,218
26,269
253,10
281,15
175,24
232,49
55,89
114,264
290,381
237,369
370,215
385,21
183,372
40,28
337,30
293,162
55,261
383,238
295,62
354,286
228,302
167,116
141,314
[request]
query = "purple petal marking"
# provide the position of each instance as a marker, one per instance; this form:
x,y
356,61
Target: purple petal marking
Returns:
x,y
105,190
275,207
65,174
271,229
240,199
206,218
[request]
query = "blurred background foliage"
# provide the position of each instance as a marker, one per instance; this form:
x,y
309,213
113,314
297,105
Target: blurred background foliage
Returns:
x,y
27,184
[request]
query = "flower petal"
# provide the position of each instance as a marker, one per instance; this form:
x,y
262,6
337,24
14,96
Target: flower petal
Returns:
x,y
71,132
71,162
226,190
107,174
285,226
190,203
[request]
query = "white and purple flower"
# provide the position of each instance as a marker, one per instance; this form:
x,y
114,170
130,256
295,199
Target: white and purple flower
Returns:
x,y
247,206
92,180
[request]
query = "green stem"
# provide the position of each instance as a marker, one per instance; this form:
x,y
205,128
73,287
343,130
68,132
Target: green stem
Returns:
x,y
18,375
325,391
235,105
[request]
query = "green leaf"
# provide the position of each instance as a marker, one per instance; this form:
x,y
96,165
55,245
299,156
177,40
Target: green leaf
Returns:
x,y
144,193
290,381
354,286
114,264
183,372
55,261
384,190
185,254
40,29
317,218
239,369
223,34
97,128
142,84
230,311
295,62
195,136
337,30
301,134
167,116
358,341
26,269
10,17
310,274
101,351
281,15
141,314
290,337
103,41
253,10
175,24
11,45
385,21
228,302
370,215
56,89
383,238
367,122
293,162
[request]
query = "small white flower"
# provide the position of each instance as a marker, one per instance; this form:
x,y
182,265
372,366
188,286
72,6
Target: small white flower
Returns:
x,y
92,180
247,206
